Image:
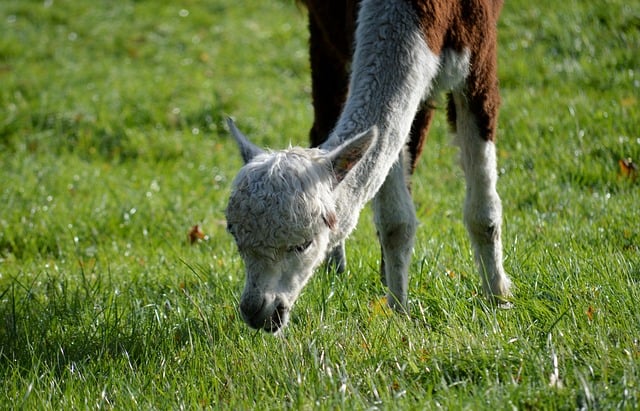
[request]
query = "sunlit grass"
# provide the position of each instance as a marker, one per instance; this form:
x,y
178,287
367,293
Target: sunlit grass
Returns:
x,y
112,147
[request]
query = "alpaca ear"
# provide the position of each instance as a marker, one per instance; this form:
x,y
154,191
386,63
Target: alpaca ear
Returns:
x,y
344,157
247,148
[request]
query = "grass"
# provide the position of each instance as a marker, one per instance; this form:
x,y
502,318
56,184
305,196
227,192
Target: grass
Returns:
x,y
112,147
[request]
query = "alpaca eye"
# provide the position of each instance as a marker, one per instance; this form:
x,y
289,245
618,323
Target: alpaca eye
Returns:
x,y
300,248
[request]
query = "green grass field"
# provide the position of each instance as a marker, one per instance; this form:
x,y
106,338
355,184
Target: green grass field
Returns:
x,y
112,147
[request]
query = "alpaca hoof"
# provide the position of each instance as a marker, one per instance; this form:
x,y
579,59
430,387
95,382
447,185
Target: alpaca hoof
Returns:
x,y
505,305
502,301
398,307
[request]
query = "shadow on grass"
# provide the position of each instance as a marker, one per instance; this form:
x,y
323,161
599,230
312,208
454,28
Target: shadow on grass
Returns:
x,y
48,321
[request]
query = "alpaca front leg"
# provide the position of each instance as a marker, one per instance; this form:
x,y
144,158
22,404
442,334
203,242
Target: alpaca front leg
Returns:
x,y
395,220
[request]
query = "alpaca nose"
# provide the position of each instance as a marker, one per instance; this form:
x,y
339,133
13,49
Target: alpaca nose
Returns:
x,y
259,313
250,305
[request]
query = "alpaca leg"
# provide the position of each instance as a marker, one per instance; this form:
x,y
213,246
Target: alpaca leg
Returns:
x,y
395,220
418,134
482,208
337,259
329,52
417,137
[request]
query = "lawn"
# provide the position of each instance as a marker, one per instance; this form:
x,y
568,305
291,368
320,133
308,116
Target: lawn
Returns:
x,y
113,147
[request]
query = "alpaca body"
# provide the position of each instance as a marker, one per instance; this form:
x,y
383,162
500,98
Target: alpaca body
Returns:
x,y
289,209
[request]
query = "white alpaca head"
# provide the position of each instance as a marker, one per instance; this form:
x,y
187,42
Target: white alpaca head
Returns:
x,y
282,214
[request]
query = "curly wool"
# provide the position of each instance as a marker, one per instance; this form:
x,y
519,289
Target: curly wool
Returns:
x,y
279,198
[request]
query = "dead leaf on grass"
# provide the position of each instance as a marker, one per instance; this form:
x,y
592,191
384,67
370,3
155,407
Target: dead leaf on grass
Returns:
x,y
196,234
628,168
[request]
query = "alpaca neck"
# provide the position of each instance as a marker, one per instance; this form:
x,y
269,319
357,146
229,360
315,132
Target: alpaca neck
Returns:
x,y
392,72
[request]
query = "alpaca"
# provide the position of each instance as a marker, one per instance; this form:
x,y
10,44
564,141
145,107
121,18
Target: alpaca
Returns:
x,y
289,209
